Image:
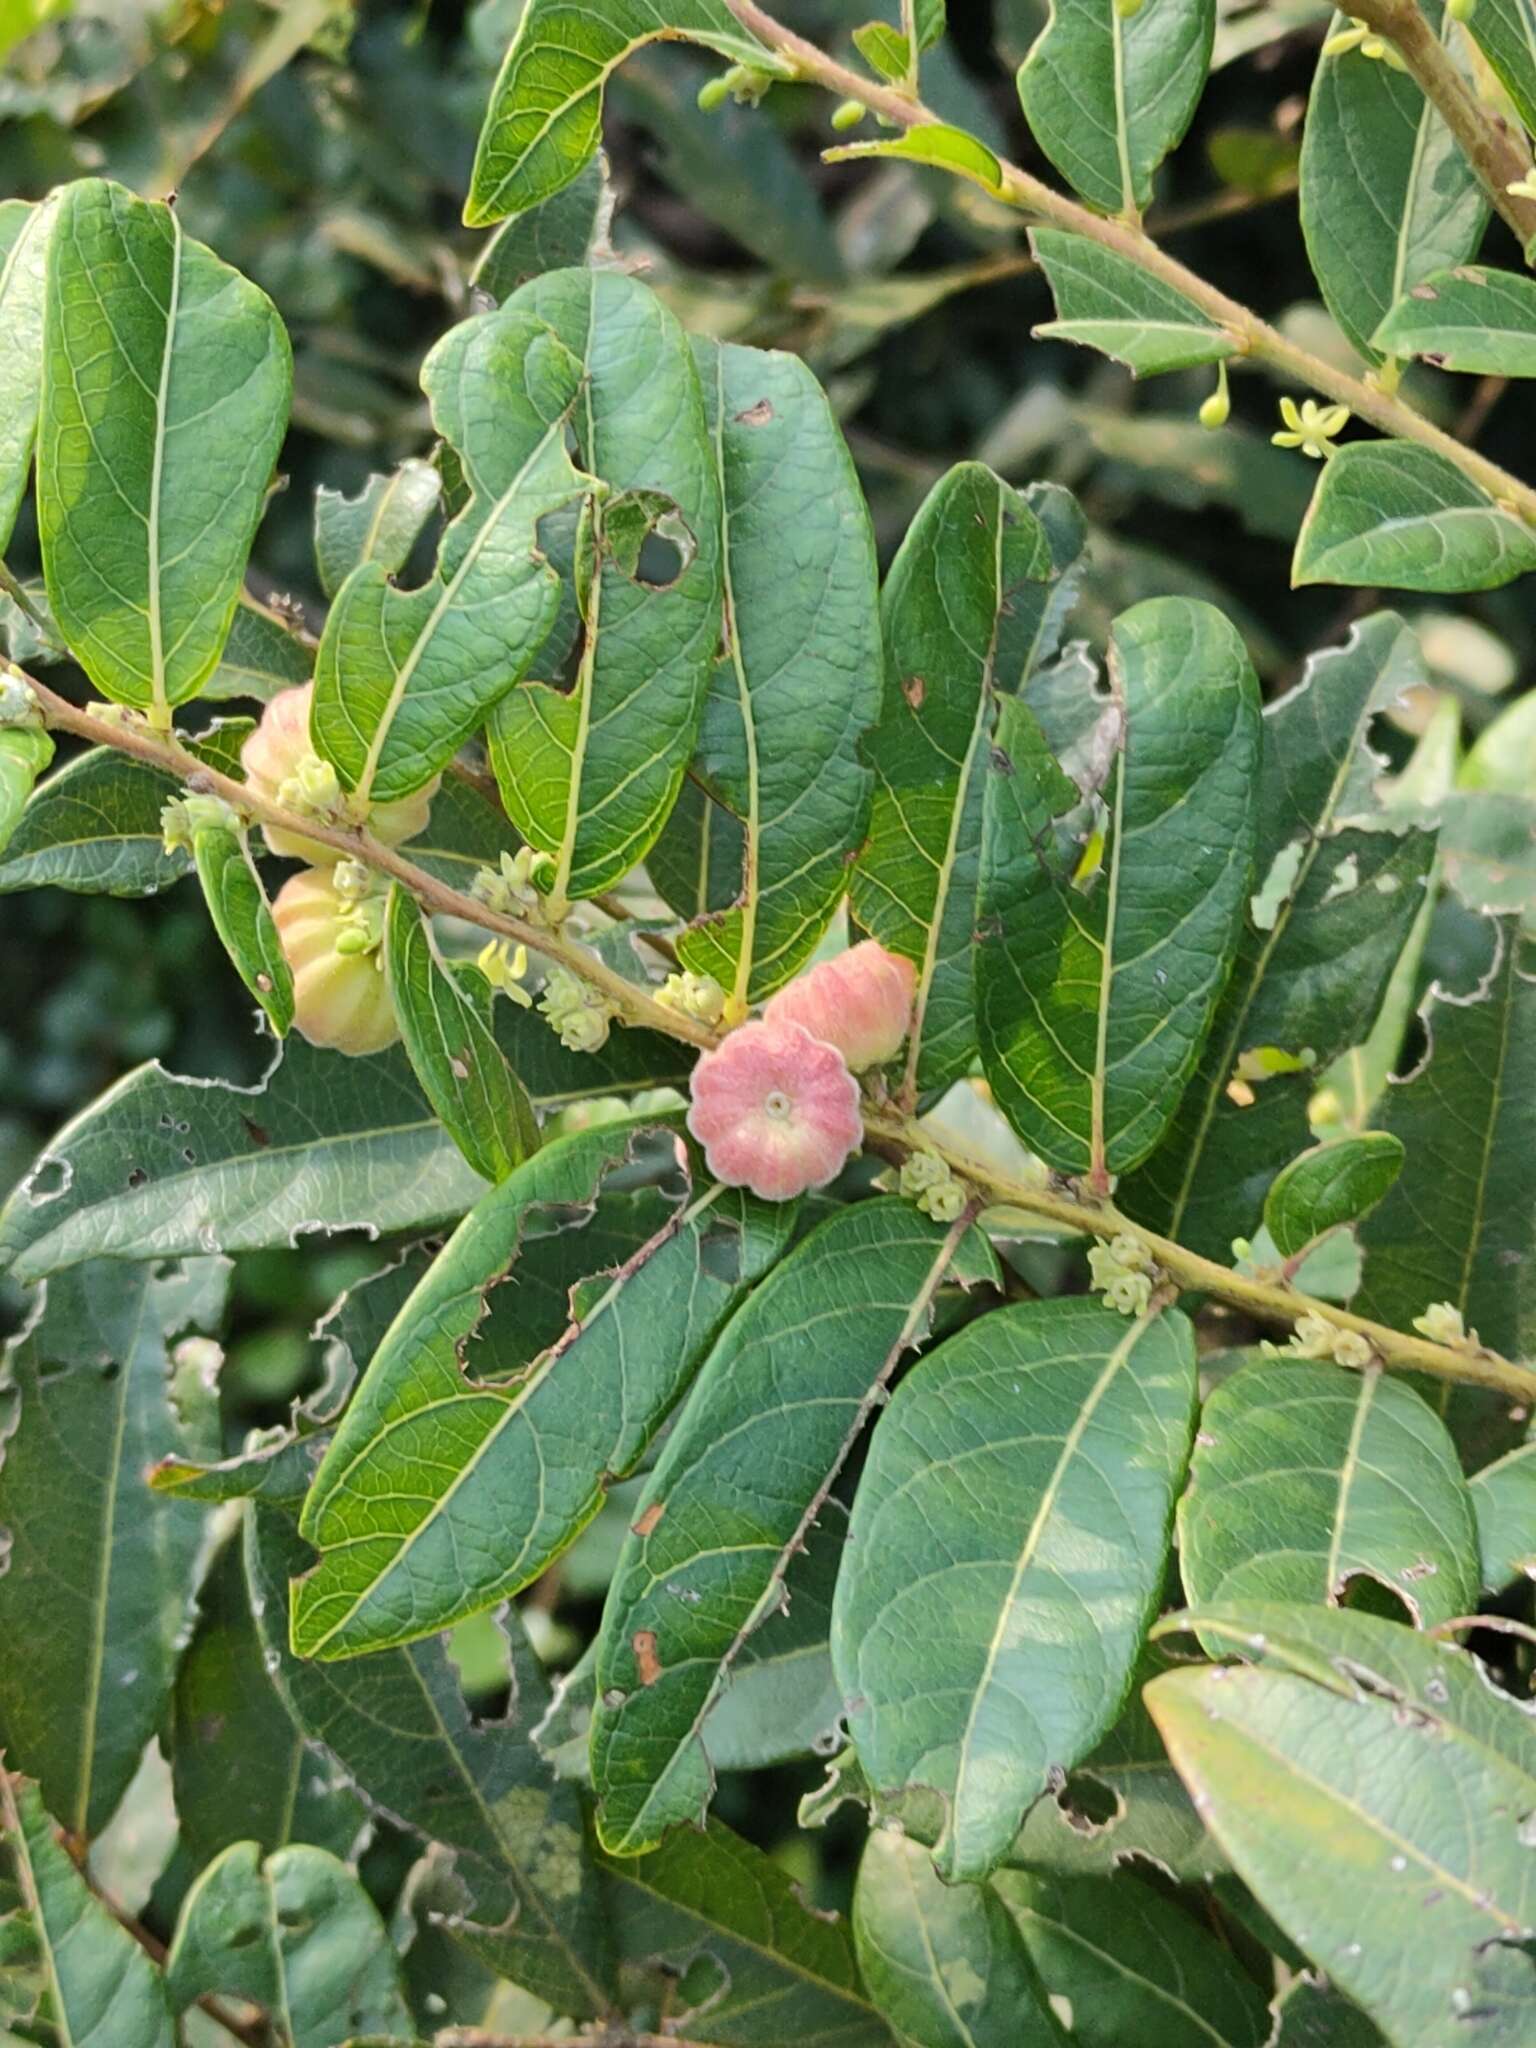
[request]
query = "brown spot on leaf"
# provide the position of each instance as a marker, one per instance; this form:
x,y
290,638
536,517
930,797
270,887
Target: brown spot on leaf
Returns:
x,y
650,1518
914,689
257,1133
1423,291
459,1068
755,415
1002,762
643,1643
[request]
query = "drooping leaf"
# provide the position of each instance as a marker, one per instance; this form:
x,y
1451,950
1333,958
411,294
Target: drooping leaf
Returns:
x,y
104,1987
588,774
569,227
803,656
381,524
1307,1478
704,1562
1459,1226
1132,1965
1108,92
494,1460
1387,197
25,233
403,677
546,112
1105,301
936,144
1504,1499
1419,1907
241,915
971,603
1337,906
445,1022
398,1726
159,1166
296,1934
1336,1182
1400,516
1469,318
1096,982
261,656
983,1638
944,1963
98,1571
165,395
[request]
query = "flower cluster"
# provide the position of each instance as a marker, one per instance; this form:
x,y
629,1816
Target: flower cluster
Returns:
x,y
183,817
927,1180
694,995
512,888
1315,1337
580,1013
1124,1273
281,765
1443,1323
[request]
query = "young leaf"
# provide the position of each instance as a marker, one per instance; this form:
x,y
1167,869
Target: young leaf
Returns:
x,y
944,1963
381,524
445,1022
982,1641
1458,1226
588,774
568,228
165,395
972,599
1504,1500
1094,990
241,915
296,1934
803,655
25,233
1401,516
491,1473
1386,195
1337,906
1470,318
1337,1182
704,1562
546,113
403,677
398,1726
1422,1830
933,143
98,1571
1105,301
104,1987
1307,1478
1108,92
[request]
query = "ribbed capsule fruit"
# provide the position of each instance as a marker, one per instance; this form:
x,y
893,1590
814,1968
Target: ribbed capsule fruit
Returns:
x,y
340,998
775,1109
860,1001
276,752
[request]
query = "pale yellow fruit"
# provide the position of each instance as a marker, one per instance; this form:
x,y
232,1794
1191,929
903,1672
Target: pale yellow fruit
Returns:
x,y
340,1000
274,752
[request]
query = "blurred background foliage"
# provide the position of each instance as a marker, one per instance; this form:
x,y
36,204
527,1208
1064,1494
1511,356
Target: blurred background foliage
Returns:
x,y
324,147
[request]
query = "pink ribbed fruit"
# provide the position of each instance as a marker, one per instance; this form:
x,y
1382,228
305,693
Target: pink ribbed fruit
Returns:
x,y
273,753
775,1109
340,1000
860,1001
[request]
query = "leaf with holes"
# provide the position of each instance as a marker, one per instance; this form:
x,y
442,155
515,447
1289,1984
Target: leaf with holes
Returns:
x,y
1398,515
381,524
1331,1184
1105,301
1097,974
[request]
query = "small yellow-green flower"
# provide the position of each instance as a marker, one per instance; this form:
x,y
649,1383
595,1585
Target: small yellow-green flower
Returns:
x,y
1362,37
1523,188
1311,427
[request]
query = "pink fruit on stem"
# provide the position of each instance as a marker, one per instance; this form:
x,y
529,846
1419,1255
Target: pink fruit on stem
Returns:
x,y
775,1109
860,1001
275,753
340,997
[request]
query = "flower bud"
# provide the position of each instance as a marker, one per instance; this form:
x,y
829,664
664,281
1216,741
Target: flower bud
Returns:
x,y
282,766
331,943
775,1109
860,1002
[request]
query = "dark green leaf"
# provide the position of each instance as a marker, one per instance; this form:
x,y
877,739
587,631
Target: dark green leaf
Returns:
x,y
25,233
1333,1183
1469,318
94,827
261,656
1105,301
381,524
1505,32
567,228
1312,2014
242,917
1400,516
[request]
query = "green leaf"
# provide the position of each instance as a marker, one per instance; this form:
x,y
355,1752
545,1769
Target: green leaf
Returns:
x,y
1387,197
1419,1906
165,395
884,49
803,656
1337,905
935,144
242,917
1108,93
696,862
1459,1225
726,1938
567,228
445,1022
104,1987
1469,318
1505,32
495,1423
467,831
381,524
704,1562
973,599
1105,301
261,656
398,1726
25,234
1132,1965
1094,991
1307,1478
944,1963
99,1571
241,1769
404,677
588,774
160,1166
1312,2014
1333,1183
1504,1500
25,751
296,1934
545,118
983,1639
1394,514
